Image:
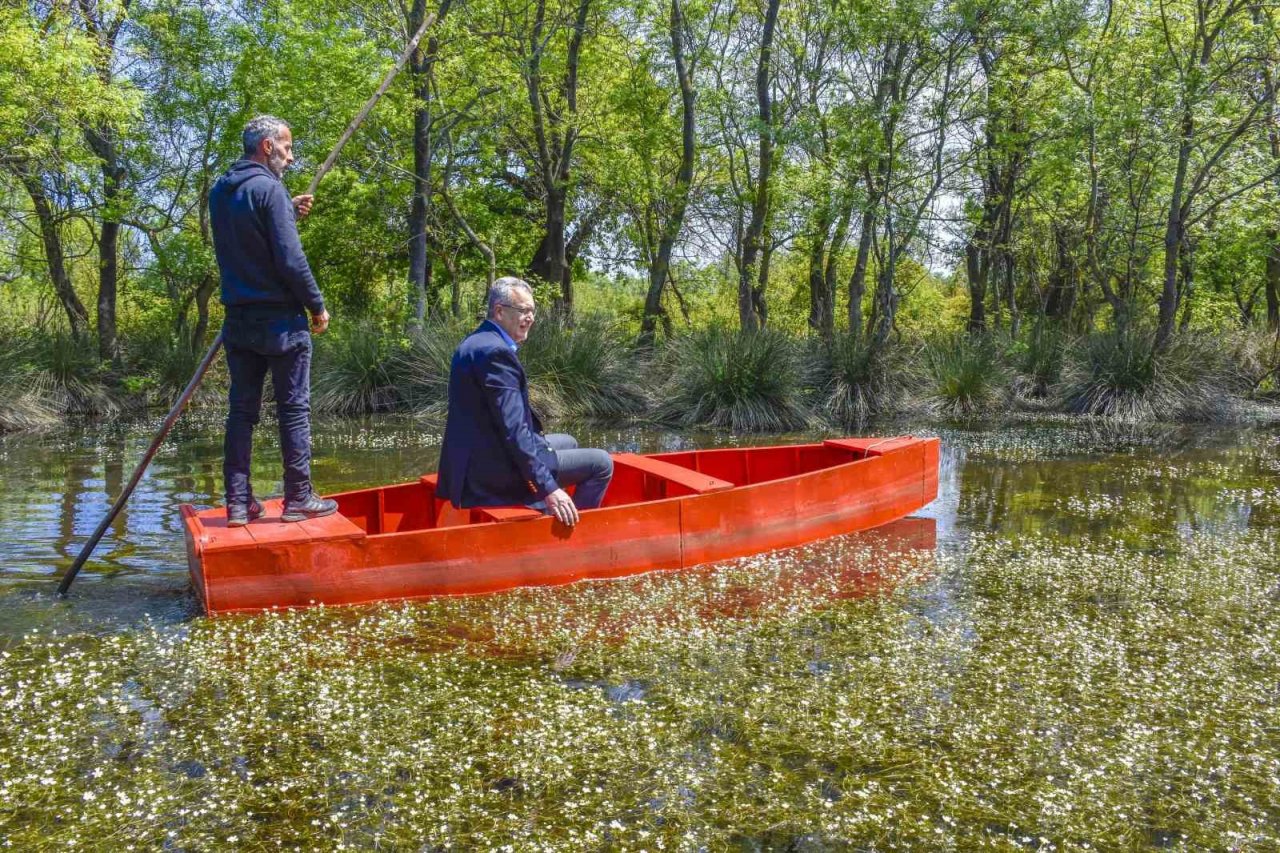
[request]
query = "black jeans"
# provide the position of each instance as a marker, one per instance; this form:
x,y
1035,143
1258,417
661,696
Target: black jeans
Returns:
x,y
258,340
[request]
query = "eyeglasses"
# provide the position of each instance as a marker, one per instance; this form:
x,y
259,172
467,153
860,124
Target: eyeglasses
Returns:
x,y
531,311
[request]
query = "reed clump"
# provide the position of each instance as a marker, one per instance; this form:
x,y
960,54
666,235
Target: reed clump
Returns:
x,y
584,372
856,381
740,381
358,369
1120,375
964,376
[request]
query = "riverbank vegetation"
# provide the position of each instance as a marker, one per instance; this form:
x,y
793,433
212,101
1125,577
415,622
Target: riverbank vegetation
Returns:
x,y
752,216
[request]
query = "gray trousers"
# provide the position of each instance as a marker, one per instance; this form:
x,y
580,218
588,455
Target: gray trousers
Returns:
x,y
588,468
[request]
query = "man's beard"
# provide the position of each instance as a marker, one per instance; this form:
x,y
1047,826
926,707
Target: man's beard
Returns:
x,y
276,163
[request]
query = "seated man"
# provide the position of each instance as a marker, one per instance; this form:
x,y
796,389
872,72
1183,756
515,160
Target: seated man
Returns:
x,y
494,452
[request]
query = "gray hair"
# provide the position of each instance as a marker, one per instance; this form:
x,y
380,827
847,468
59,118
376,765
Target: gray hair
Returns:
x,y
500,291
260,128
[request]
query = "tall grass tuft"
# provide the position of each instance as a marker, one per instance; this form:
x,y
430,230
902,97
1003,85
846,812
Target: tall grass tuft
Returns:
x,y
358,370
591,371
1037,362
1119,375
855,380
74,376
964,376
174,367
742,381
27,402
1255,357
425,384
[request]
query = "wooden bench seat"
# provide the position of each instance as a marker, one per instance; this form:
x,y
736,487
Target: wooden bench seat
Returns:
x,y
691,480
865,447
506,513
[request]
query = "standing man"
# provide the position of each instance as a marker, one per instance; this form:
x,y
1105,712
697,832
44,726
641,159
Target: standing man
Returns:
x,y
494,452
269,290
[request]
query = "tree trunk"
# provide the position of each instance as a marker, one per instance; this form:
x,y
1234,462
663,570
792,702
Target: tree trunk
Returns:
x,y
819,301
750,297
886,298
660,269
103,143
1186,282
976,271
1174,234
858,279
1062,279
421,65
831,273
204,292
77,316
1273,282
555,135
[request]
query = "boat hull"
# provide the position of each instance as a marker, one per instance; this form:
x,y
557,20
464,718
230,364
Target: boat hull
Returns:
x,y
401,543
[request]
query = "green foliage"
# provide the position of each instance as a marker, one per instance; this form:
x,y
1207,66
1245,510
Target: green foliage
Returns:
x,y
964,375
27,401
741,381
74,375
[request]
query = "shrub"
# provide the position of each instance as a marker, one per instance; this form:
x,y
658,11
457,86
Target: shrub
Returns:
x,y
161,364
964,375
742,381
1119,375
855,380
69,368
358,369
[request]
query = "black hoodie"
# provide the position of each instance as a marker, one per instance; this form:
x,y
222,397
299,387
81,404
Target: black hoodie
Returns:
x,y
255,237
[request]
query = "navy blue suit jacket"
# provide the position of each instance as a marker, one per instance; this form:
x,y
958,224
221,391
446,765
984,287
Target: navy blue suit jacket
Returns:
x,y
494,453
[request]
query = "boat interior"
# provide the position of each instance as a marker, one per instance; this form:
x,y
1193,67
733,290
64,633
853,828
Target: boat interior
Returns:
x,y
636,479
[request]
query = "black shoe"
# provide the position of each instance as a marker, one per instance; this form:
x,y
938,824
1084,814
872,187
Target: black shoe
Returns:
x,y
238,515
312,507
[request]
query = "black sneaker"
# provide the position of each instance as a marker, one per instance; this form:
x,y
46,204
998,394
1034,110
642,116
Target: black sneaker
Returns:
x,y
312,507
238,515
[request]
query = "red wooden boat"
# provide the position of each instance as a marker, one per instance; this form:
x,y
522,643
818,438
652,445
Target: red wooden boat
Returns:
x,y
663,511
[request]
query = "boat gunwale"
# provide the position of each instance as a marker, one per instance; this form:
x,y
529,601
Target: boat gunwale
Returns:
x,y
586,513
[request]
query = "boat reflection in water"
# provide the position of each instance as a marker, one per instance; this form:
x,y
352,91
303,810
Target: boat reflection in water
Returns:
x,y
845,567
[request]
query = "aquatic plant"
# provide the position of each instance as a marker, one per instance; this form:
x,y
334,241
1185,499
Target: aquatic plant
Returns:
x,y
742,381
1119,374
1031,685
681,711
1255,357
357,369
27,402
964,375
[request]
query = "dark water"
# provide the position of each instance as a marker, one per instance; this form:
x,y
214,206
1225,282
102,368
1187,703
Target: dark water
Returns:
x,y
1086,659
